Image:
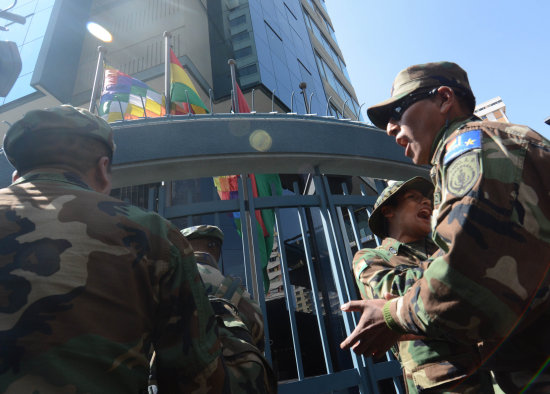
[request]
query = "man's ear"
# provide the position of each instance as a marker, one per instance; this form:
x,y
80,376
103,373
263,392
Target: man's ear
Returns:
x,y
448,99
102,175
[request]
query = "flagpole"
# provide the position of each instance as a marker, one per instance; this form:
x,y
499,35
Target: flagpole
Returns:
x,y
248,216
99,69
235,97
167,36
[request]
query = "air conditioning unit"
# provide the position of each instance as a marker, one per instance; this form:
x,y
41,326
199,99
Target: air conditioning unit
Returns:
x,y
10,66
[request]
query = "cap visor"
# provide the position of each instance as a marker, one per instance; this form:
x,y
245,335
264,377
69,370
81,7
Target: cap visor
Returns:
x,y
379,114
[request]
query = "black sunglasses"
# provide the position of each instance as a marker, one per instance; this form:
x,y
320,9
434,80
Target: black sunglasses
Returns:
x,y
397,112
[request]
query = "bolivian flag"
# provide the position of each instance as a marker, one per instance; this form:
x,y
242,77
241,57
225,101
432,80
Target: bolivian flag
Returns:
x,y
180,83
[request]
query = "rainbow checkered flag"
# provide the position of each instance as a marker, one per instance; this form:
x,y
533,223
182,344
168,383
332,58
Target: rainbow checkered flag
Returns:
x,y
124,97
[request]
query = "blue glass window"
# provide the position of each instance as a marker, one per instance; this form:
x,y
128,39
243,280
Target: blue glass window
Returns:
x,y
237,21
247,70
246,51
240,36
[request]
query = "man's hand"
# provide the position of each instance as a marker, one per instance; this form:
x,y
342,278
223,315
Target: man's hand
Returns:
x,y
371,337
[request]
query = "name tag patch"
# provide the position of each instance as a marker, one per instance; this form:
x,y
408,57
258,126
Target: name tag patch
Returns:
x,y
462,143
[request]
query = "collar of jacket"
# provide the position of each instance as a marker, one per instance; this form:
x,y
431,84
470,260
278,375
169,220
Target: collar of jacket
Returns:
x,y
445,131
60,176
418,249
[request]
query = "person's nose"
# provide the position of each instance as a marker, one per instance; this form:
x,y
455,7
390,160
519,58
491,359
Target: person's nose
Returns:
x,y
392,128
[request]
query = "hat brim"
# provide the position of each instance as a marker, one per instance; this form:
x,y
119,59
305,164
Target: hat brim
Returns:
x,y
379,114
376,219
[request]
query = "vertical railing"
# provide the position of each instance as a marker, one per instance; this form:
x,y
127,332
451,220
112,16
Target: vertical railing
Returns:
x,y
306,231
345,290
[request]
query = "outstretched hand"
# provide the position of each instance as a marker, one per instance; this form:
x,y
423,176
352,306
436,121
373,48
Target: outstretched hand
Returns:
x,y
371,337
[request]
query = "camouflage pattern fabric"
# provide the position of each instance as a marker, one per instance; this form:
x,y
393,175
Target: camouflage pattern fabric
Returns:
x,y
429,365
240,324
492,221
202,231
249,315
91,285
60,119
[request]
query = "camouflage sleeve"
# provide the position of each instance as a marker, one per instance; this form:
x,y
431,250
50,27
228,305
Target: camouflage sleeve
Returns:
x,y
376,275
192,349
249,314
494,221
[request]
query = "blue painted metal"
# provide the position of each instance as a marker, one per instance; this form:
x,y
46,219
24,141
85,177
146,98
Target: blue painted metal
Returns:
x,y
169,146
351,216
185,147
366,373
289,298
151,199
200,208
246,250
314,288
162,200
338,237
259,293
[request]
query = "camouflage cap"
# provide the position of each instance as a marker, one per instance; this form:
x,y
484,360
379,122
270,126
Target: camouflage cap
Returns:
x,y
419,77
376,219
203,230
61,119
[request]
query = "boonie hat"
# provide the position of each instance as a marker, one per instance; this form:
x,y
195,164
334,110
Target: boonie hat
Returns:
x,y
61,119
376,220
201,231
413,78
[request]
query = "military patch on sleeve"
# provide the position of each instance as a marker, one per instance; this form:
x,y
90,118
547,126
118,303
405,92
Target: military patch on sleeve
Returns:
x,y
463,174
461,144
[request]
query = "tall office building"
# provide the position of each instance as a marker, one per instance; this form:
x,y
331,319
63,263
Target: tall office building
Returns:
x,y
277,45
289,67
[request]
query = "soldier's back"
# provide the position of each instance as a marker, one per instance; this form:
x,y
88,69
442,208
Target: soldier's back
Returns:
x,y
80,277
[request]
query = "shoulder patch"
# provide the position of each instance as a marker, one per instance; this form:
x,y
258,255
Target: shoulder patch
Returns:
x,y
463,174
461,144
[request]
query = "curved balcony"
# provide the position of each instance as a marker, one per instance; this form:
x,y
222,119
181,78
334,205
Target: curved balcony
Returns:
x,y
182,147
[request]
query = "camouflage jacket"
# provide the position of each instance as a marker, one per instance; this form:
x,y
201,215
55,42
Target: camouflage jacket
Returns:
x,y
249,315
91,285
492,221
429,365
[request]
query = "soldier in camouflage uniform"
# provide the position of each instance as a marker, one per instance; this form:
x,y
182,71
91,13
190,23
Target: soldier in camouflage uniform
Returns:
x,y
91,285
207,241
491,221
401,217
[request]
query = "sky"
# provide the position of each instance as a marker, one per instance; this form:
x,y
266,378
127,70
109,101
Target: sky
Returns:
x,y
504,46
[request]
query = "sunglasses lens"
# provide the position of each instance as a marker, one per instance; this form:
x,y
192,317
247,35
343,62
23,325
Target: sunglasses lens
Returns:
x,y
409,100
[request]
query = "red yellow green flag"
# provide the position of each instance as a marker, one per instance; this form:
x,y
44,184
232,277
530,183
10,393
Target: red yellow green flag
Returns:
x,y
182,90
